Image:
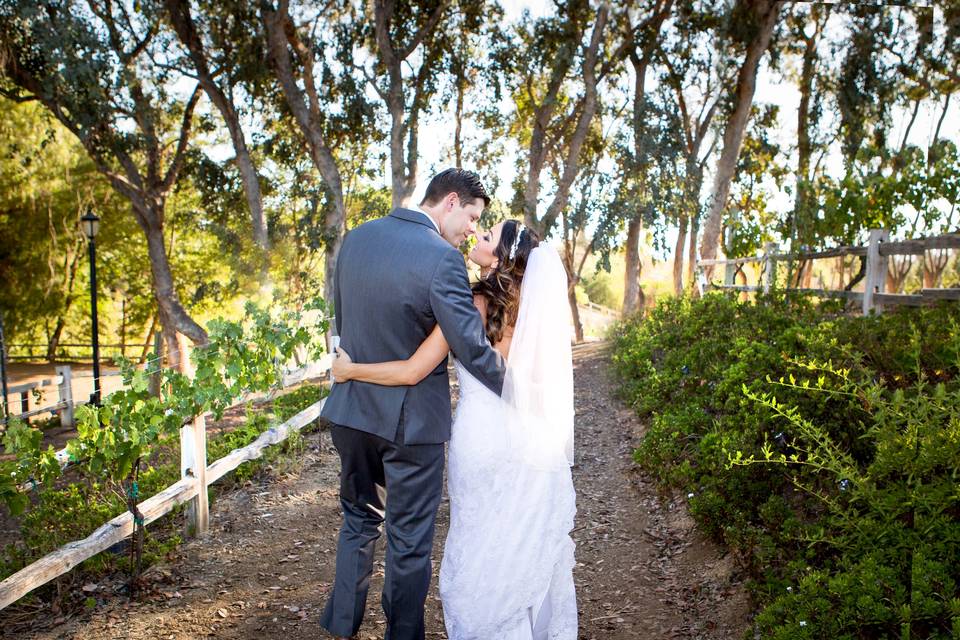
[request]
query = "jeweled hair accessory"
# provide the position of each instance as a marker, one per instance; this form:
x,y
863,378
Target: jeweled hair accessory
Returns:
x,y
516,242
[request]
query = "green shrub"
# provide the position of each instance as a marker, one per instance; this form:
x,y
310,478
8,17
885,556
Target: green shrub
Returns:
x,y
290,404
823,449
57,515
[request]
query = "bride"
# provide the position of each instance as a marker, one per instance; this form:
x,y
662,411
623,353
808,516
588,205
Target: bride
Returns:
x,y
507,568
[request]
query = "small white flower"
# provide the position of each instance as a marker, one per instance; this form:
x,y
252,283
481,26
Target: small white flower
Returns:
x,y
689,495
803,623
168,412
790,589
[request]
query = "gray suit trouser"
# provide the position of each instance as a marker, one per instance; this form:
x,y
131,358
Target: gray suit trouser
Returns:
x,y
372,469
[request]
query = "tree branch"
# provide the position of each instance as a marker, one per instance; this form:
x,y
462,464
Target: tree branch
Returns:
x,y
572,164
422,32
184,139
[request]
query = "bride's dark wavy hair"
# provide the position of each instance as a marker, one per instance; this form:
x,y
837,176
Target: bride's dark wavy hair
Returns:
x,y
501,287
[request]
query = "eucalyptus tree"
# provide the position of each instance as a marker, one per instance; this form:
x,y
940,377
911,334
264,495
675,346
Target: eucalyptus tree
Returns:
x,y
589,224
220,56
545,61
94,66
866,87
899,59
652,189
924,47
425,37
761,164
310,51
943,60
641,39
695,70
806,38
473,85
752,24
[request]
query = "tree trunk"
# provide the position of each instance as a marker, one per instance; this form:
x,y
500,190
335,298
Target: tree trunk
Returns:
x,y
803,274
933,267
692,257
573,277
575,312
173,317
807,275
633,298
281,32
932,149
802,199
766,12
403,121
678,257
631,288
182,21
148,341
457,134
330,282
897,271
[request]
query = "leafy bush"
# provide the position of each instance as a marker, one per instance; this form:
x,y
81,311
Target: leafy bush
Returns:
x,y
824,450
60,514
126,449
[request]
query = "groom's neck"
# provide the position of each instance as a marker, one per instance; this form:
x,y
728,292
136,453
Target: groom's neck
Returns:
x,y
430,211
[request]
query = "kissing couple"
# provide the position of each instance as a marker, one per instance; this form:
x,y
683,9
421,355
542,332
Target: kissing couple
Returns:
x,y
403,303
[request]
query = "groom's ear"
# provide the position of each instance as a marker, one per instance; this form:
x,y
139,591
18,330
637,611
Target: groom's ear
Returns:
x,y
450,201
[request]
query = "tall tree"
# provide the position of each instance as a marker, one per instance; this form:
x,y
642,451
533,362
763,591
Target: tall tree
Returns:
x,y
641,39
89,65
807,26
421,36
552,123
693,71
219,83
754,22
330,111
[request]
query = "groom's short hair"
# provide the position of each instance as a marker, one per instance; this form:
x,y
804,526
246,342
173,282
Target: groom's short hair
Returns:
x,y
466,184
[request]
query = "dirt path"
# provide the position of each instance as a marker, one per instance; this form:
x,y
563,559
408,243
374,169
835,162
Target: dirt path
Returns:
x,y
265,568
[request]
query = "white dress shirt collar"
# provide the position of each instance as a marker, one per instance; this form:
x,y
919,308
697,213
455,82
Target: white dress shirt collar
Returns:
x,y
429,217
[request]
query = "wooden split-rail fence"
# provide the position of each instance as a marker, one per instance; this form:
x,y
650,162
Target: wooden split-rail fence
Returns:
x,y
196,476
875,254
65,404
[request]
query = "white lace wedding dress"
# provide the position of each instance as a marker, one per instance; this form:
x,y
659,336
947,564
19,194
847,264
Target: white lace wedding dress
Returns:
x,y
507,568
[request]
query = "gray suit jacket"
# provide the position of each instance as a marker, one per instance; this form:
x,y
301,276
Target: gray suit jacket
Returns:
x,y
396,279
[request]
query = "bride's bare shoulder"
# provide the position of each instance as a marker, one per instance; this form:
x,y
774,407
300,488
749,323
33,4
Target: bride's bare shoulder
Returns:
x,y
480,302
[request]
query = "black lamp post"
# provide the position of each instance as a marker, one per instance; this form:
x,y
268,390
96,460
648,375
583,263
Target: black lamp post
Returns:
x,y
91,225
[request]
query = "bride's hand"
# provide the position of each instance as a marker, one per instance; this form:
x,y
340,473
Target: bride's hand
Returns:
x,y
341,366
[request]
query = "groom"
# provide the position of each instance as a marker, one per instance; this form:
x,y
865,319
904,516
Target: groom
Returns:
x,y
397,278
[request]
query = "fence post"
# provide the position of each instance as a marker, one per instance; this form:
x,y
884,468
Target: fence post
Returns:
x,y
193,462
66,395
876,276
769,266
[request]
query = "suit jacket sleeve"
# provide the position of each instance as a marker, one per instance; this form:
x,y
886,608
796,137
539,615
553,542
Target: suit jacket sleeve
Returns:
x,y
452,302
337,309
